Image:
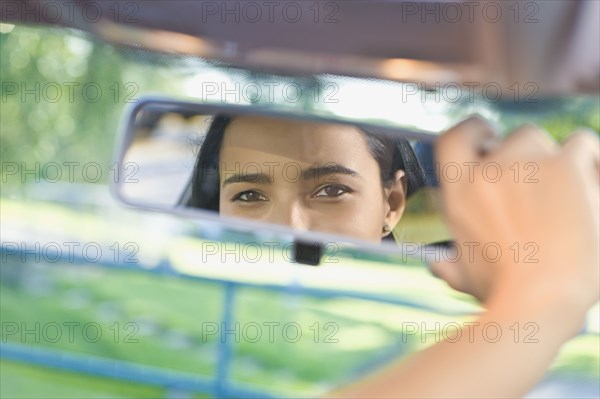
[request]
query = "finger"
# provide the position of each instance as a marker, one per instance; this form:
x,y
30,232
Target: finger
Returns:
x,y
451,273
528,141
464,142
583,146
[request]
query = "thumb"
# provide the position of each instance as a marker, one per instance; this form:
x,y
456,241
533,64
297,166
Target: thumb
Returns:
x,y
452,273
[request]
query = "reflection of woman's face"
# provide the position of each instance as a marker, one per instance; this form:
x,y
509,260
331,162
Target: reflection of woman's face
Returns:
x,y
307,175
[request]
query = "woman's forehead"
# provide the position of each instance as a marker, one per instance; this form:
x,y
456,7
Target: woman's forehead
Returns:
x,y
298,140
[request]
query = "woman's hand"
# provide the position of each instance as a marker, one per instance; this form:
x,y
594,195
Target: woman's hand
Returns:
x,y
524,212
525,215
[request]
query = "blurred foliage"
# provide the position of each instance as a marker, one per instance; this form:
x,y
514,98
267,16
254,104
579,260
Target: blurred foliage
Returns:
x,y
559,117
63,95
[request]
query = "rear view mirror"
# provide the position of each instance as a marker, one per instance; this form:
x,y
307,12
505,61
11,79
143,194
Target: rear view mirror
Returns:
x,y
257,168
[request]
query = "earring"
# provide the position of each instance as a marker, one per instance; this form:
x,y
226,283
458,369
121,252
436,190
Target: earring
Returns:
x,y
386,228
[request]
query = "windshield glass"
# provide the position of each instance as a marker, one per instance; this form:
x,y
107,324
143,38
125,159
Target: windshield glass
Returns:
x,y
68,92
62,99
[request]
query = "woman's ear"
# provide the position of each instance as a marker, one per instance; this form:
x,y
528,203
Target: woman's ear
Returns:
x,y
395,197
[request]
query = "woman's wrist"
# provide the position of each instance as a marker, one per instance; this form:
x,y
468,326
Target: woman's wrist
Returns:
x,y
557,313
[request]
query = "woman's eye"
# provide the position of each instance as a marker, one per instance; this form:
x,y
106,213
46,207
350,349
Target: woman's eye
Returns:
x,y
332,191
250,196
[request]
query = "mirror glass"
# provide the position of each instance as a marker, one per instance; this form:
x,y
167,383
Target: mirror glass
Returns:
x,y
359,181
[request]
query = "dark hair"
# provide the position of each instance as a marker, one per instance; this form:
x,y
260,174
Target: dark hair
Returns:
x,y
391,153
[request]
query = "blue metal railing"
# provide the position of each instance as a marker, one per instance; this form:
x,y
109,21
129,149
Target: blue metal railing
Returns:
x,y
218,386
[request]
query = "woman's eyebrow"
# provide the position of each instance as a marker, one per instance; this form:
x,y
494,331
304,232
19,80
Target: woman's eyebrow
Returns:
x,y
314,172
260,178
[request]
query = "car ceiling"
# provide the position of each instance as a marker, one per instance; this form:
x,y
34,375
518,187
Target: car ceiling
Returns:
x,y
382,39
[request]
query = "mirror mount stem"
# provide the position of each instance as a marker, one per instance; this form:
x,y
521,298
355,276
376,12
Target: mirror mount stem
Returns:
x,y
308,253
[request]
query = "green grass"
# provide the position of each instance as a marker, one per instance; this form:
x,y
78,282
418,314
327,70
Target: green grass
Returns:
x,y
181,305
29,382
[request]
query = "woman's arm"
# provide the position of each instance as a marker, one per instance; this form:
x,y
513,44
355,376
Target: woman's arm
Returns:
x,y
476,366
555,211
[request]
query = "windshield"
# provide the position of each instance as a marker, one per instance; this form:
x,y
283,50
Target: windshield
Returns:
x,y
62,99
68,92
